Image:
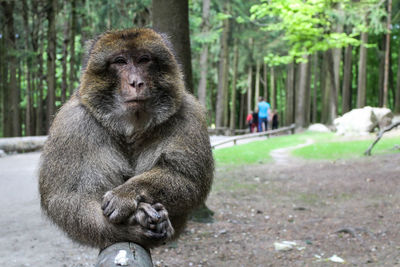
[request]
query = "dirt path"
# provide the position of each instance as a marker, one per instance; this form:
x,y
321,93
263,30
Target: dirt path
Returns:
x,y
281,156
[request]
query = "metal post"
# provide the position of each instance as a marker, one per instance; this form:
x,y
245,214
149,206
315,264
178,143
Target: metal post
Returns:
x,y
124,254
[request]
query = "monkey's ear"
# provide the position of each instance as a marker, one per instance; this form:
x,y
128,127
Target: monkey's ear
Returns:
x,y
167,42
88,47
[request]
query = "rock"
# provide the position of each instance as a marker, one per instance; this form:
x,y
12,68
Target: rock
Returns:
x,y
2,153
318,127
356,122
384,116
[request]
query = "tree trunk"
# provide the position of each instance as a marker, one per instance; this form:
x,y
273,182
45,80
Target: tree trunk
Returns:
x,y
326,89
315,88
265,78
257,85
273,89
223,75
40,116
172,18
234,82
202,88
249,89
347,79
3,86
362,72
8,8
242,111
302,95
64,84
51,60
397,95
334,86
387,50
290,97
250,80
381,70
71,40
28,65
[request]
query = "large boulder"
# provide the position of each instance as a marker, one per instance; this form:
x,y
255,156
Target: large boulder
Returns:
x,y
318,127
363,120
356,122
384,116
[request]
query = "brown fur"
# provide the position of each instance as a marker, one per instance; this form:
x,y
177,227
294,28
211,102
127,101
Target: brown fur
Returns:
x,y
112,173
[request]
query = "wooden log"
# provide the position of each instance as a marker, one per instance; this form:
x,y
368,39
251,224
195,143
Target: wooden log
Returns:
x,y
22,144
124,254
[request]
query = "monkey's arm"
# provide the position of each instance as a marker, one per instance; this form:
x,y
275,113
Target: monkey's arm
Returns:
x,y
181,177
78,165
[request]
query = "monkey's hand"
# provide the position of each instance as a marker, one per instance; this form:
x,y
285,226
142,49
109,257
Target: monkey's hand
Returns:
x,y
154,220
118,208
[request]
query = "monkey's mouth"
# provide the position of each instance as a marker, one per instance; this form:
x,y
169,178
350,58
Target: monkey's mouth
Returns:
x,y
136,101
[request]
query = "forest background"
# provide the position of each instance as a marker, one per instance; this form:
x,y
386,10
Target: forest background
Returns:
x,y
313,60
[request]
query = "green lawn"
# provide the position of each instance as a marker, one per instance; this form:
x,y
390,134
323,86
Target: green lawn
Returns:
x,y
326,146
346,149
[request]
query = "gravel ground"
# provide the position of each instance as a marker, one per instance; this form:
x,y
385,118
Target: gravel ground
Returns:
x,y
348,208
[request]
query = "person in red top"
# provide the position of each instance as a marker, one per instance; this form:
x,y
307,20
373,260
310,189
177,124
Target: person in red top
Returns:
x,y
249,119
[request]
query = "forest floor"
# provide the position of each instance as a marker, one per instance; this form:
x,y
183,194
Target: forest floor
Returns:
x,y
347,208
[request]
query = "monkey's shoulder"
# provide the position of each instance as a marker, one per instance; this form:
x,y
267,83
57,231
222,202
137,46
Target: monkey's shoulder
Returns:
x,y
74,125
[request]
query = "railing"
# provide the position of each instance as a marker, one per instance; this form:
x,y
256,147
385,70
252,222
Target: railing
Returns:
x,y
124,254
290,129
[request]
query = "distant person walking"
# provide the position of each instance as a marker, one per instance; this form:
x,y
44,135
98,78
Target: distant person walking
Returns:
x,y
263,108
275,121
249,120
254,124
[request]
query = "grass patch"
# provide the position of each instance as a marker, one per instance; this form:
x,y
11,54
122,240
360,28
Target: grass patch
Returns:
x,y
258,151
345,149
326,146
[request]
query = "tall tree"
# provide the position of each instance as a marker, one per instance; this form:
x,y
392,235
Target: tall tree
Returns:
x,y
387,50
347,79
172,18
223,73
397,93
303,92
202,88
14,97
28,66
257,82
72,32
290,95
51,9
234,84
64,83
362,72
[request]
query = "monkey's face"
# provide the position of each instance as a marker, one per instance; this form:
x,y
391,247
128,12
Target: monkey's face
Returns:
x,y
132,76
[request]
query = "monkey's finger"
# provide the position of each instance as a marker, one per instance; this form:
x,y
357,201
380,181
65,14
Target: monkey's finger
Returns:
x,y
106,199
158,206
108,210
154,235
150,211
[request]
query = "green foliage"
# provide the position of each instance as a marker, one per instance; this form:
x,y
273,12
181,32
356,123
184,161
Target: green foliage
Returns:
x,y
311,26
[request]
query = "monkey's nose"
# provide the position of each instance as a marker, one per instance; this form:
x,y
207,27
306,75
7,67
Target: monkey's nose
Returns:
x,y
137,84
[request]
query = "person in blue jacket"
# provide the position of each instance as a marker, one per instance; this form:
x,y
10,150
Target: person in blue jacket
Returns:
x,y
263,108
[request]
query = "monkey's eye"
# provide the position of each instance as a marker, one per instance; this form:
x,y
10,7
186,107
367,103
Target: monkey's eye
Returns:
x,y
144,59
119,60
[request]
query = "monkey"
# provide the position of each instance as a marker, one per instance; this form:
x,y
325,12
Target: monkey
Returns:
x,y
128,156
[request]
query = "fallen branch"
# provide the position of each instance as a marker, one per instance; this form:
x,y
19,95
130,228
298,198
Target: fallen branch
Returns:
x,y
380,134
